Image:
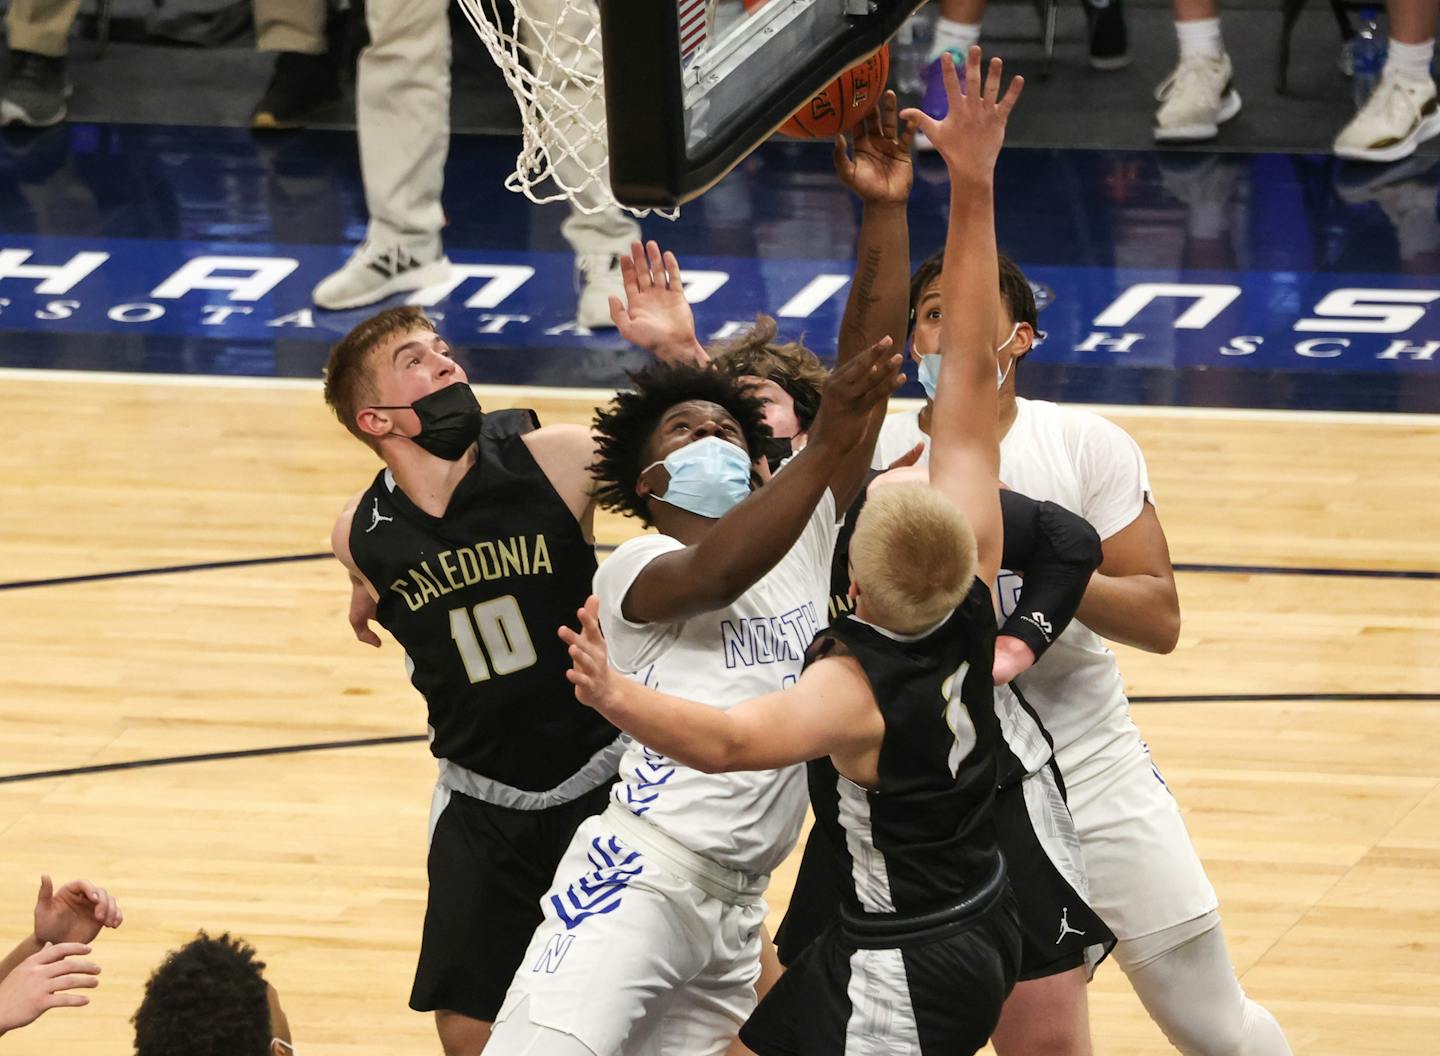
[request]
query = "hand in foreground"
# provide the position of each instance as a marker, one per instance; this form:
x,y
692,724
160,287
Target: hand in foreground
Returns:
x,y
596,685
37,983
362,613
973,130
1012,658
851,392
75,913
909,458
881,170
655,315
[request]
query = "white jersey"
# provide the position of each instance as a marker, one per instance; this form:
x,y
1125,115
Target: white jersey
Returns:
x,y
1092,467
745,821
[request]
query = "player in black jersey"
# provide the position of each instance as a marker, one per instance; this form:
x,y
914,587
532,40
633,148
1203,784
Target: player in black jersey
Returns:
x,y
474,543
894,704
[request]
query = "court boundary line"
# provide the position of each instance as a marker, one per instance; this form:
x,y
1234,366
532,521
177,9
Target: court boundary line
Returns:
x,y
600,395
413,738
252,562
206,757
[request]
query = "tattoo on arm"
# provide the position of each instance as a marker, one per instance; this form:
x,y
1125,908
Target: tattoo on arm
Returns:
x,y
862,298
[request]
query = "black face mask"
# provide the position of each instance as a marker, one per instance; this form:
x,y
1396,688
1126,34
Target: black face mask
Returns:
x,y
449,420
776,450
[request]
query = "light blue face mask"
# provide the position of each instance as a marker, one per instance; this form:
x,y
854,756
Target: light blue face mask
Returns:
x,y
929,372
707,477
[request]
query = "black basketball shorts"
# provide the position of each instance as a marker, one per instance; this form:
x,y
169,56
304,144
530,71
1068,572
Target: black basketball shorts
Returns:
x,y
1059,930
937,993
489,867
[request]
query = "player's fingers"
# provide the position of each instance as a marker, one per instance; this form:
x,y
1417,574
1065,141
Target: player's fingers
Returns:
x,y
672,271
567,635
628,277
76,980
641,266
918,120
655,262
618,315
887,108
58,951
840,155
62,1000
990,91
972,73
1011,96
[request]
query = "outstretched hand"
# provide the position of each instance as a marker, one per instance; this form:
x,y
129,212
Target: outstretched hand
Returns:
x,y
363,610
37,983
881,170
655,315
852,391
973,129
75,913
595,683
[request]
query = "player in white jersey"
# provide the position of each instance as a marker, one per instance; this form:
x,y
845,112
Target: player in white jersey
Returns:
x,y
651,937
1146,881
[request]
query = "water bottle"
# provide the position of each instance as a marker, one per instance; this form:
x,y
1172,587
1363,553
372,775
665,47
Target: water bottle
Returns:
x,y
908,52
1367,55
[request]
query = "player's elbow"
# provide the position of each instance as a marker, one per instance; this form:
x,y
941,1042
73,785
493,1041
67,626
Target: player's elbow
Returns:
x,y
1167,631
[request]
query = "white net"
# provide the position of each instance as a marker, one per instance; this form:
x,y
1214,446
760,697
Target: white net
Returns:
x,y
549,53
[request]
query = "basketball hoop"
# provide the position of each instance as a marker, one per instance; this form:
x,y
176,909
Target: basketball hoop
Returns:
x,y
550,55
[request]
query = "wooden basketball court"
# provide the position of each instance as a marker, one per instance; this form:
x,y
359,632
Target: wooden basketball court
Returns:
x,y
1313,794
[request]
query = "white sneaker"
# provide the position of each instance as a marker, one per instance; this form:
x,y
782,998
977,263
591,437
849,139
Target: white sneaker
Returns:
x,y
376,271
1196,99
598,278
1400,114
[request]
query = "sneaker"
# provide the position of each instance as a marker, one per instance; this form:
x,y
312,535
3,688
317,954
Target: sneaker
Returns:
x,y
36,91
935,102
597,277
1196,99
1399,115
300,86
1109,42
375,272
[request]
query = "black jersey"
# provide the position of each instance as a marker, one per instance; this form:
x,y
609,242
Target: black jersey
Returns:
x,y
1057,551
925,838
475,598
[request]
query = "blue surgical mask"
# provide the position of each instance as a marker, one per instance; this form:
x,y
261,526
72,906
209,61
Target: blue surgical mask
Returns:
x,y
929,372
707,477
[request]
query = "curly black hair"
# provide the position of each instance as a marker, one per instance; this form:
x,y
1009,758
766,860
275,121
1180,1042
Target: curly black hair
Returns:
x,y
625,427
207,998
1015,288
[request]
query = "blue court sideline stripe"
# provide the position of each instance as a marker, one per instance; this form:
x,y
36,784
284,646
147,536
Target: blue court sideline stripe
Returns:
x,y
207,757
210,566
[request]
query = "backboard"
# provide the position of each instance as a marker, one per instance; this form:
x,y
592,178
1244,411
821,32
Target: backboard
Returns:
x,y
693,86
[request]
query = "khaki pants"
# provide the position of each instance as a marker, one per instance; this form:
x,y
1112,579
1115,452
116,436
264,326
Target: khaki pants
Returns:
x,y
291,25
43,26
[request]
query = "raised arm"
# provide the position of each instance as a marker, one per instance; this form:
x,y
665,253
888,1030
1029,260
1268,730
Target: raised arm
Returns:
x,y
829,711
755,534
965,455
655,315
881,173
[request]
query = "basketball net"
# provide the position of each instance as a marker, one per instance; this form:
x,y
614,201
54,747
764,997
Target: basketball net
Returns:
x,y
549,54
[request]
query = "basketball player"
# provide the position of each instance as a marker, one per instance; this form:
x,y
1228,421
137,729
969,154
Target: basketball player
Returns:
x,y
1146,881
895,707
651,938
1047,1011
476,541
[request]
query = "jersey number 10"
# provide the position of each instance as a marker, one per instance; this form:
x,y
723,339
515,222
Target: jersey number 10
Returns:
x,y
502,629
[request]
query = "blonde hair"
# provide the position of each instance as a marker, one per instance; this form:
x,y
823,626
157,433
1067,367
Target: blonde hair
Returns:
x,y
912,556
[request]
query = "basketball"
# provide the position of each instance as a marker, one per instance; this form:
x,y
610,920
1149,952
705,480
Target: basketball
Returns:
x,y
843,103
